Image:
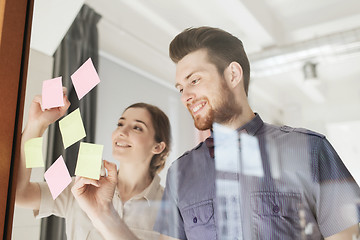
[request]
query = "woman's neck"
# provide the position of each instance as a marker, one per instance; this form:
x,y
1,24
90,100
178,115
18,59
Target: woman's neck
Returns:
x,y
132,180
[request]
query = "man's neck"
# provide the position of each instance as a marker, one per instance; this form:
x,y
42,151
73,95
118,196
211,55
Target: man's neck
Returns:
x,y
240,120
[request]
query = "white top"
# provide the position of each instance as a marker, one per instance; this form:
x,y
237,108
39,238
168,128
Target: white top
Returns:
x,y
139,212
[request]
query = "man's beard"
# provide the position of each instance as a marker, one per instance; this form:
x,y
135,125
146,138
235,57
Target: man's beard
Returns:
x,y
223,112
204,123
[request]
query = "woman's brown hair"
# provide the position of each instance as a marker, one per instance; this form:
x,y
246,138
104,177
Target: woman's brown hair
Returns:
x,y
162,129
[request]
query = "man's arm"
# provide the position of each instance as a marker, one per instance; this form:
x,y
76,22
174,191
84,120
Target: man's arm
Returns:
x,y
347,234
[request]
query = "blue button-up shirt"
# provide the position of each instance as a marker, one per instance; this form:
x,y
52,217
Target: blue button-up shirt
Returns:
x,y
312,196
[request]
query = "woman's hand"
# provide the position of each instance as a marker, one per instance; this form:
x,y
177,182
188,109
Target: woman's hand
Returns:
x,y
95,196
43,118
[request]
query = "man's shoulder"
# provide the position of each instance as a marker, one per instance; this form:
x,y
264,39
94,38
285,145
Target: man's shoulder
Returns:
x,y
305,131
285,129
187,156
189,152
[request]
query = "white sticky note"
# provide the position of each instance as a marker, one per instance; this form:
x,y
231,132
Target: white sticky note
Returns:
x,y
250,156
226,149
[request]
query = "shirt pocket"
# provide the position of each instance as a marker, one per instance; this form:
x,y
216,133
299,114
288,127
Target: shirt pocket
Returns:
x,y
199,220
275,215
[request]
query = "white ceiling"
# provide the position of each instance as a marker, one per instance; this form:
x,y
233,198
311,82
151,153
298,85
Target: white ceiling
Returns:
x,y
279,36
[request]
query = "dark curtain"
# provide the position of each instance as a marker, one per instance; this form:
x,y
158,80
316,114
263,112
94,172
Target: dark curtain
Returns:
x,y
79,44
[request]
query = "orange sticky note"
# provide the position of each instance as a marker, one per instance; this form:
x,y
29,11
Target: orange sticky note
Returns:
x,y
85,79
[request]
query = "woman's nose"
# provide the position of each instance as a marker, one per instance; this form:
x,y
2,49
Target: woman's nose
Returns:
x,y
122,130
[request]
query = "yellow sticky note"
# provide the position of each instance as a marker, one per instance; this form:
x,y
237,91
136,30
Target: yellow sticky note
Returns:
x,y
33,153
89,160
72,128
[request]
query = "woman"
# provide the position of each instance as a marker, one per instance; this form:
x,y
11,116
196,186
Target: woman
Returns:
x,y
121,205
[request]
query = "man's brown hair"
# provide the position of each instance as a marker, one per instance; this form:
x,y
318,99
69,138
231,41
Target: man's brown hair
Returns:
x,y
222,49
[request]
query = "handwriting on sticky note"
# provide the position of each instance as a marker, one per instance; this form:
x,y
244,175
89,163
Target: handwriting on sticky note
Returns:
x,y
89,160
52,93
57,177
72,128
33,153
85,78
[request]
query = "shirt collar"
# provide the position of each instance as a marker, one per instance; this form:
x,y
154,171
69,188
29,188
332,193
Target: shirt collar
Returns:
x,y
251,127
149,192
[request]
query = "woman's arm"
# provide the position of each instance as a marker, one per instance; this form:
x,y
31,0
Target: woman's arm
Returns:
x,y
28,193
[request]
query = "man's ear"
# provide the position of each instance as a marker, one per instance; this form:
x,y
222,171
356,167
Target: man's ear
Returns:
x,y
234,73
159,147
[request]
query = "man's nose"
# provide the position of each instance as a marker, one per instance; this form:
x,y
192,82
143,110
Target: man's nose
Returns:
x,y
187,96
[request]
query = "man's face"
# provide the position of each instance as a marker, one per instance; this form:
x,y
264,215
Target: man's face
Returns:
x,y
203,91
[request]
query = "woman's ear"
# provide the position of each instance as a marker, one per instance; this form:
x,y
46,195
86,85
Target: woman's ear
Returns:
x,y
234,73
159,147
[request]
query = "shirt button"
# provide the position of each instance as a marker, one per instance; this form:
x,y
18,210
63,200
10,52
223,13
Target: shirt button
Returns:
x,y
276,209
195,220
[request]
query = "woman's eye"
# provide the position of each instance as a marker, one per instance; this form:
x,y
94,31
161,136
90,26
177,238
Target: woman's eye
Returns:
x,y
181,90
137,128
195,81
119,124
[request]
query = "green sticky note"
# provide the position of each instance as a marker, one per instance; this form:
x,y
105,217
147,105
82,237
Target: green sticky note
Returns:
x,y
33,153
72,128
89,160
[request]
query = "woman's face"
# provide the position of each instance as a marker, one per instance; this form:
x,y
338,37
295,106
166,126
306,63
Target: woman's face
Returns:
x,y
133,140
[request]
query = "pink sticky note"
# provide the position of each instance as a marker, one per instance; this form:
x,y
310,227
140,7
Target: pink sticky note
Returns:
x,y
57,177
85,78
52,93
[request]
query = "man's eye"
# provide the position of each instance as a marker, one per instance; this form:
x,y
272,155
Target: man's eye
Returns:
x,y
119,124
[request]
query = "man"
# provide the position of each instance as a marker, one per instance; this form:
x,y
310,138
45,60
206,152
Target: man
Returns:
x,y
313,196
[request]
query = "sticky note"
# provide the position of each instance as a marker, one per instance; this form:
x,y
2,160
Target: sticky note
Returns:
x,y
33,153
57,177
85,78
89,160
52,93
227,152
72,128
251,156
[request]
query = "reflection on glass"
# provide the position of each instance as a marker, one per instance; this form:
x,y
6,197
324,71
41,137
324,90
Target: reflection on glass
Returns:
x,y
280,183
